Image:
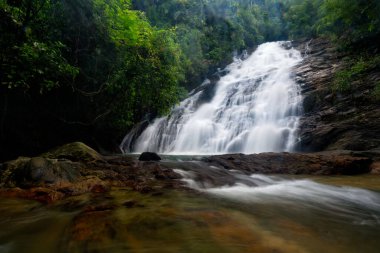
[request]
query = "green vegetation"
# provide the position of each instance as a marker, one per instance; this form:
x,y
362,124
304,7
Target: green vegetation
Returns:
x,y
346,21
96,66
354,25
352,77
209,32
88,70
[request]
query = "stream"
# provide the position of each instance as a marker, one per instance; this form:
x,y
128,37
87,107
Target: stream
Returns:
x,y
222,211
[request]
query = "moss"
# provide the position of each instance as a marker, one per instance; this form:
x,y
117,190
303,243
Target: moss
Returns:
x,y
76,151
348,79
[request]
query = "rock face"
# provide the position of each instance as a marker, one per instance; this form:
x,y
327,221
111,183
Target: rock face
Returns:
x,y
334,120
328,163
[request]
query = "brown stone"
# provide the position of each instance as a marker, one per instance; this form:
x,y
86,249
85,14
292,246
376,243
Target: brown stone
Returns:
x,y
325,163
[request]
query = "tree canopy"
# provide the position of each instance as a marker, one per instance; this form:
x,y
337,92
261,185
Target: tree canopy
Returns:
x,y
90,69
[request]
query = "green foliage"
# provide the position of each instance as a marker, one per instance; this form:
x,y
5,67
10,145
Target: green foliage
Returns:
x,y
27,61
302,17
87,64
354,72
209,32
346,21
353,19
39,64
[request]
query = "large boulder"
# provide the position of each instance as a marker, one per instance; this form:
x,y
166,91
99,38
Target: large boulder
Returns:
x,y
149,156
76,151
62,165
39,171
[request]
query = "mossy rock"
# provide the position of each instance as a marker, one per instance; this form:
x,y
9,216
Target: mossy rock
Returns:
x,y
76,152
8,168
38,171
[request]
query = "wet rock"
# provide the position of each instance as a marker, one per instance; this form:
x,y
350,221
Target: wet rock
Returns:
x,y
129,203
143,188
92,230
99,188
100,207
375,168
149,156
61,178
40,194
324,163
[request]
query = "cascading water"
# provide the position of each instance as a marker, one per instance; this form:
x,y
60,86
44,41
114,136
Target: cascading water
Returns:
x,y
255,109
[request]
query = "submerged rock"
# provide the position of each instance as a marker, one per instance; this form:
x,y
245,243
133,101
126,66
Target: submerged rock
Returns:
x,y
149,156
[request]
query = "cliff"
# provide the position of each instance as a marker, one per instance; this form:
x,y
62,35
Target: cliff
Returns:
x,y
335,120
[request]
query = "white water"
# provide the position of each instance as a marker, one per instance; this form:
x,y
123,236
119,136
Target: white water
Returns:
x,y
255,109
358,206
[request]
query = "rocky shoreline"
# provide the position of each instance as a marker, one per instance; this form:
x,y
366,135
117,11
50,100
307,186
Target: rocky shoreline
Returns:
x,y
76,169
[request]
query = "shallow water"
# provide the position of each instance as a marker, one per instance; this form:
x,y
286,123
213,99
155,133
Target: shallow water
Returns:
x,y
269,214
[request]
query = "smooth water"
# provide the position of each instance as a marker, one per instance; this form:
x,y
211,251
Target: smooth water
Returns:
x,y
227,211
255,109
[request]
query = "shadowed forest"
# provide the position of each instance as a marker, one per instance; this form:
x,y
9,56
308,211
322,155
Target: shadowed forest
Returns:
x,y
89,70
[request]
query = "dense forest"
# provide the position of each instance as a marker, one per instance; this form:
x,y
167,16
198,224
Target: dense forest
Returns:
x,y
89,70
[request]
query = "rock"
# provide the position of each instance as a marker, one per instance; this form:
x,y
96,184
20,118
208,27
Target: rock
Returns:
x,y
90,229
324,163
130,203
55,178
149,156
375,168
76,151
100,207
43,195
334,120
39,171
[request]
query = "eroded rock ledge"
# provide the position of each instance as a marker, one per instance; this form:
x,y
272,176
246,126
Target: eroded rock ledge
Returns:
x,y
323,163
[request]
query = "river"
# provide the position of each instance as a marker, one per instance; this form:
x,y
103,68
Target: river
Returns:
x,y
223,211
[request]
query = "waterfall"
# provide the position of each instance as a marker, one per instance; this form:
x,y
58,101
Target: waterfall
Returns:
x,y
255,108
